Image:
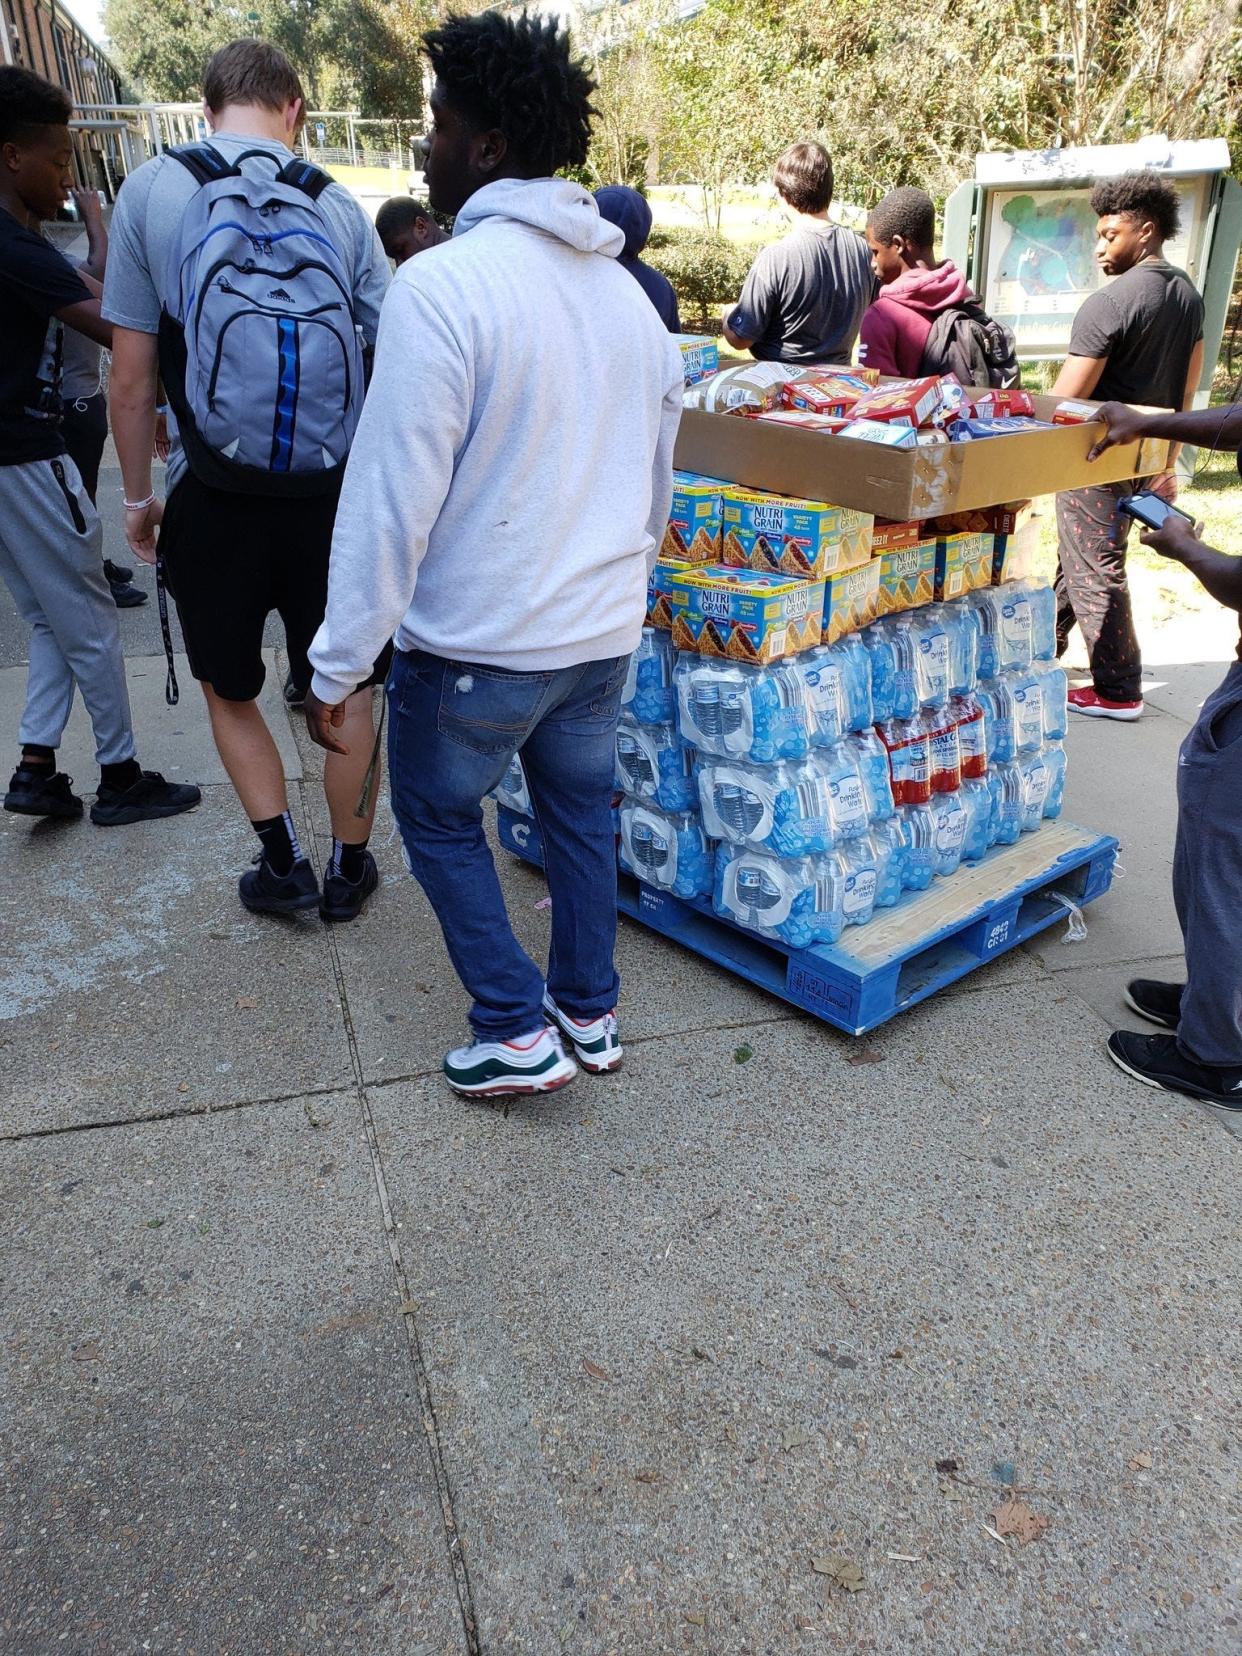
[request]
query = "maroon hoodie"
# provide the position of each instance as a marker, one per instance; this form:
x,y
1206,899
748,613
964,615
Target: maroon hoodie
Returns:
x,y
894,330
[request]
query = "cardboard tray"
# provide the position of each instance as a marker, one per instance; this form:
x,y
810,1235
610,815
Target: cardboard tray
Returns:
x,y
908,483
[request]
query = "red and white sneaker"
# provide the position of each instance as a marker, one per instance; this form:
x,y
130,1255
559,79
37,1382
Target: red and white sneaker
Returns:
x,y
535,1063
596,1042
1085,700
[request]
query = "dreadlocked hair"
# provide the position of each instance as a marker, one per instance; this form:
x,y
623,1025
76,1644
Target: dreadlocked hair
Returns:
x,y
517,75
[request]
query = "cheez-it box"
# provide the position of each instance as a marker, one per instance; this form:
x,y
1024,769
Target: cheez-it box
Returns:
x,y
912,402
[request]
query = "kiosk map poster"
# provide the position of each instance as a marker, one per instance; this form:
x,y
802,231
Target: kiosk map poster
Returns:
x,y
1041,259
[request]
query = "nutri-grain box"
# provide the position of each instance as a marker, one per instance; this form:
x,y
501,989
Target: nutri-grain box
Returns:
x,y
693,531
700,356
907,577
658,588
742,615
772,532
851,600
963,562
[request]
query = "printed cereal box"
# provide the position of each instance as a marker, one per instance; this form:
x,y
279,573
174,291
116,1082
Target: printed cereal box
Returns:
x,y
888,536
911,402
907,577
740,615
963,562
693,532
773,532
700,355
658,588
851,600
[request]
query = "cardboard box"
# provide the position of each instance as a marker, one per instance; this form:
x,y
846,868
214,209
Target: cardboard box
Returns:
x,y
823,396
700,355
740,615
997,520
963,562
896,434
1013,554
907,577
659,586
892,537
795,537
851,600
920,482
693,532
803,421
905,402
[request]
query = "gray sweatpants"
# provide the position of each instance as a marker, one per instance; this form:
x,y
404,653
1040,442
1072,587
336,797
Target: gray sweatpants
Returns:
x,y
51,545
1207,878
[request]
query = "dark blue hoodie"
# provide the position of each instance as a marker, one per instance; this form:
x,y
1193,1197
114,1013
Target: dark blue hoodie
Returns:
x,y
630,213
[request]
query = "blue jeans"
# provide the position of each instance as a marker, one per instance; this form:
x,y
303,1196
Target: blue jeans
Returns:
x,y
454,729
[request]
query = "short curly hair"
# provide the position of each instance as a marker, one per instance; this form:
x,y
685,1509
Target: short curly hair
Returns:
x,y
905,212
27,103
1140,195
518,75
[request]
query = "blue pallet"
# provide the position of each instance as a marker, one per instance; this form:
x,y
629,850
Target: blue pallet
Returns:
x,y
930,939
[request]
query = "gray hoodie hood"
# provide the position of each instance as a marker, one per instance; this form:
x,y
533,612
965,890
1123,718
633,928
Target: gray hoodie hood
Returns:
x,y
553,205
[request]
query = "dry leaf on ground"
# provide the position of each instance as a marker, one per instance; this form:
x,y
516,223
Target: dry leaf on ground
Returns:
x,y
842,1572
1140,1463
1014,1517
594,1370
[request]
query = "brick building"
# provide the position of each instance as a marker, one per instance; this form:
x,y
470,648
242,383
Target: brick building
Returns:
x,y
41,35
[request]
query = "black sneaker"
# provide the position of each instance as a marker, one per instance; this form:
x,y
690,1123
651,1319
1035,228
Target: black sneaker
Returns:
x,y
125,595
264,892
342,898
295,695
116,574
1156,1061
147,798
36,791
1159,1003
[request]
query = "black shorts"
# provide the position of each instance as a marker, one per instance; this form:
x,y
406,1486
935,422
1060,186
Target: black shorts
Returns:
x,y
85,430
230,560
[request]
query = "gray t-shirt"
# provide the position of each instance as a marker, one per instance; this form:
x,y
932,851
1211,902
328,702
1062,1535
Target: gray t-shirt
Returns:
x,y
81,368
1147,322
144,230
804,298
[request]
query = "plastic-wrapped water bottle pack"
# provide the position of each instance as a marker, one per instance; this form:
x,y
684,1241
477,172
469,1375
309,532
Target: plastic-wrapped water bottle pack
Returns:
x,y
654,763
791,810
667,849
759,714
512,791
798,901
649,697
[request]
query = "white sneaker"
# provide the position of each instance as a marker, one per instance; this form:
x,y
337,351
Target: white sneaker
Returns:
x,y
596,1042
534,1063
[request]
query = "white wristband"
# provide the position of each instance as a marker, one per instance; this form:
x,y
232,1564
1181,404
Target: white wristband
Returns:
x,y
138,505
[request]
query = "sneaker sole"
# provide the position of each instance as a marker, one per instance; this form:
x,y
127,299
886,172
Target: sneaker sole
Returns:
x,y
1122,716
511,1089
1186,1091
583,1062
130,814
61,813
281,905
1150,1017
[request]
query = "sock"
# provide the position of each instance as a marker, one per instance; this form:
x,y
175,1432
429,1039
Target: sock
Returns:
x,y
35,754
279,839
121,775
348,860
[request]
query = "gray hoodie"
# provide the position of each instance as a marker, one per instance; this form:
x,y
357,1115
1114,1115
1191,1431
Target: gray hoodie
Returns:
x,y
511,475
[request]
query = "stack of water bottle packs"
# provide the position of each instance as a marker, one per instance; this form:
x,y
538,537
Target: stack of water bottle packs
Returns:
x,y
803,795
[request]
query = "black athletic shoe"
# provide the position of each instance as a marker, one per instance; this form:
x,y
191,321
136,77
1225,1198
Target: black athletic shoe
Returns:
x,y
265,892
1159,1003
295,695
1156,1061
147,798
125,595
36,791
116,574
342,898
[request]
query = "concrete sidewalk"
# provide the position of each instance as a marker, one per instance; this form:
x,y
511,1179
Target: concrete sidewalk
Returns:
x,y
303,1354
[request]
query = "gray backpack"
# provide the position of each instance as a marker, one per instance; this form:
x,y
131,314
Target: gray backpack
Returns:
x,y
966,341
259,348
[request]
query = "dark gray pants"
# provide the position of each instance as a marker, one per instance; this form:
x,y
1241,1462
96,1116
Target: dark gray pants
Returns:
x,y
1092,588
1207,877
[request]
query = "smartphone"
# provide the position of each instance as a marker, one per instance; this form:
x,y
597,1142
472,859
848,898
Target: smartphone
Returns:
x,y
1151,510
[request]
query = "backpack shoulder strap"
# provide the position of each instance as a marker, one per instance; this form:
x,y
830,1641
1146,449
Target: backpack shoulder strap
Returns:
x,y
202,162
302,176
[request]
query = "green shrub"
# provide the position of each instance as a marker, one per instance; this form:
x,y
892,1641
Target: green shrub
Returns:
x,y
706,270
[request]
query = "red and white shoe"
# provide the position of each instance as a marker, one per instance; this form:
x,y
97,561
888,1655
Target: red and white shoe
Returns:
x,y
596,1041
1085,700
535,1063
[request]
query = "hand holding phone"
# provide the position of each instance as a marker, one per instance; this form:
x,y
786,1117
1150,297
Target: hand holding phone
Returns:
x,y
1151,510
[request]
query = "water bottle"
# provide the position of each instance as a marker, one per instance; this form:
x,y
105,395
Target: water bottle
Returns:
x,y
967,712
666,849
905,677
976,801
1006,785
871,757
879,646
963,647
932,656
890,840
1054,688
920,835
949,820
847,799
999,725
1026,688
857,680
798,902
757,713
822,673
1014,629
649,697
945,750
1043,601
984,608
654,763
862,878
1054,758
909,759
1036,779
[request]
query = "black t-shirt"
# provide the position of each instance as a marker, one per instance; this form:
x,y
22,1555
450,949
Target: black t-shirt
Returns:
x,y
35,283
805,296
1147,322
